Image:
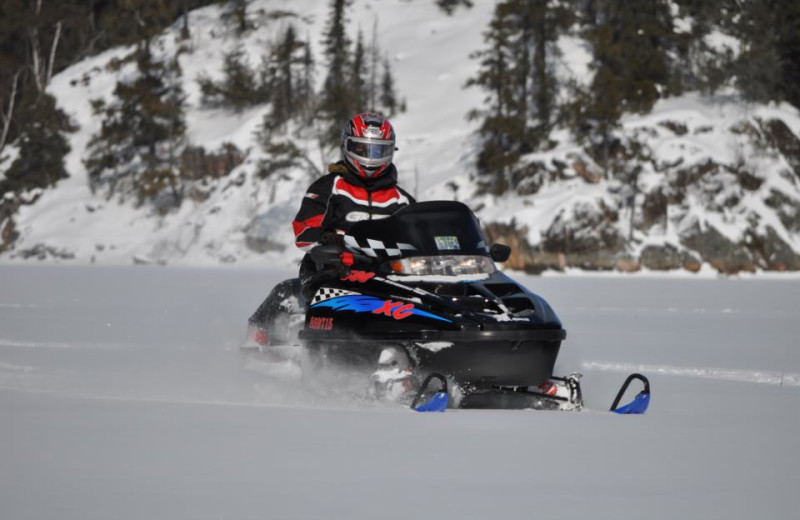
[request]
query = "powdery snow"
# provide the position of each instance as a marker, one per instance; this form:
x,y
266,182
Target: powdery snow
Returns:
x,y
172,427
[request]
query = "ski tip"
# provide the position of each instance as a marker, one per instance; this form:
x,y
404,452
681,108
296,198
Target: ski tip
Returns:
x,y
437,403
636,407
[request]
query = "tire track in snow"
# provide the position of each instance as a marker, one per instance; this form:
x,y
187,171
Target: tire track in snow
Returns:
x,y
21,306
10,343
722,374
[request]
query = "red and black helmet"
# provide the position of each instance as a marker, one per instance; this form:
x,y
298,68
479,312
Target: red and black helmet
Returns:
x,y
368,144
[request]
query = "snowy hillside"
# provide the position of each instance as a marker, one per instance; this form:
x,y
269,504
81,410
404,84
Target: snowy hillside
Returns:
x,y
712,181
430,57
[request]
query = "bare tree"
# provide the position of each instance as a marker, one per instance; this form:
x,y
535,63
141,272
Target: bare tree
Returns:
x,y
8,114
42,68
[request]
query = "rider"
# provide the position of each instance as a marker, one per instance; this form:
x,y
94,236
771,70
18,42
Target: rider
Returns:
x,y
362,186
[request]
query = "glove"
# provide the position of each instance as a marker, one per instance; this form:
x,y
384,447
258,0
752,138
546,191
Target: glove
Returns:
x,y
332,238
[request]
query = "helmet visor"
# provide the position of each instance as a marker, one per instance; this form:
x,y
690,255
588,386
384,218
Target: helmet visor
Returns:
x,y
370,149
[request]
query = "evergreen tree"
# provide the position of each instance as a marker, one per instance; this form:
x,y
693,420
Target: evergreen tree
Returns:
x,y
631,46
768,66
142,135
500,122
284,89
448,6
698,66
288,80
305,89
388,97
358,82
240,87
39,38
42,147
374,63
517,74
31,45
631,61
337,102
236,15
141,20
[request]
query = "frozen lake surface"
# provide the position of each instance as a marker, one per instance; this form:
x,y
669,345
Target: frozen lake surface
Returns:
x,y
122,396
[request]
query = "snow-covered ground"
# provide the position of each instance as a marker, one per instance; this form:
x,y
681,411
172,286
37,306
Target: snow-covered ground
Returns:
x,y
121,396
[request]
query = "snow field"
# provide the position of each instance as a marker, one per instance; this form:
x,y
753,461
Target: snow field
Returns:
x,y
122,396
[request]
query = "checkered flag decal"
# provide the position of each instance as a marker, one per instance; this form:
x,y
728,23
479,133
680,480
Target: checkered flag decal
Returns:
x,y
376,248
326,293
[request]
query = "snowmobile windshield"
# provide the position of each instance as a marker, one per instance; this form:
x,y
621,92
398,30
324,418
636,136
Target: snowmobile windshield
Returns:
x,y
370,148
424,229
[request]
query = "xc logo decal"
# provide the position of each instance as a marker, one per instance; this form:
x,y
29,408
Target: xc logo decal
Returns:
x,y
397,310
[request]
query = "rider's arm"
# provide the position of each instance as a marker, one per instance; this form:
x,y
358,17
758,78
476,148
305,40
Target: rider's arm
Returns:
x,y
307,224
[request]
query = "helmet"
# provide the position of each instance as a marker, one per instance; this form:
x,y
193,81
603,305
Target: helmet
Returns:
x,y
368,144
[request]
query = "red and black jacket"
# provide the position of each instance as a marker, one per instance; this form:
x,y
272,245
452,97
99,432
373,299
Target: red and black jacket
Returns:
x,y
339,199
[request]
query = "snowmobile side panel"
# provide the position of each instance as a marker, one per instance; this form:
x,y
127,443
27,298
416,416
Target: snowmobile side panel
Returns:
x,y
425,335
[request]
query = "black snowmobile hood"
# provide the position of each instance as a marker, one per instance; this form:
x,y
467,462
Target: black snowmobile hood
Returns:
x,y
429,228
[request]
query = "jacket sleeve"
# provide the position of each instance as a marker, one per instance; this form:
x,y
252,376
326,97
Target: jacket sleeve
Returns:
x,y
307,224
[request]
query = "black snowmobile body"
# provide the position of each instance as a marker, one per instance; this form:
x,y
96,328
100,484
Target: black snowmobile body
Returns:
x,y
424,282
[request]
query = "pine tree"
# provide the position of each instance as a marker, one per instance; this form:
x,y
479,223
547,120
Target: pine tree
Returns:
x,y
448,6
517,74
388,97
374,64
287,80
32,42
500,122
337,102
142,135
789,51
305,89
631,45
768,65
358,83
241,87
42,147
236,15
698,66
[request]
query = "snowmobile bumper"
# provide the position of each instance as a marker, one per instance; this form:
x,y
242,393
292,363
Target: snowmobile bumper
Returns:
x,y
472,359
550,335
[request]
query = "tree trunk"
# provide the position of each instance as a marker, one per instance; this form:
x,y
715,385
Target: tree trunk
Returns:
x,y
35,62
634,180
375,59
34,41
540,70
185,29
606,151
53,54
9,115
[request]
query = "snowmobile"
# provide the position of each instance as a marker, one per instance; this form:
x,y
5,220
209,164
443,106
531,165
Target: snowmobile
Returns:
x,y
415,306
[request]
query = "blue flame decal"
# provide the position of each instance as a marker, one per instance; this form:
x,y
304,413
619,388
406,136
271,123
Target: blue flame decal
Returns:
x,y
361,303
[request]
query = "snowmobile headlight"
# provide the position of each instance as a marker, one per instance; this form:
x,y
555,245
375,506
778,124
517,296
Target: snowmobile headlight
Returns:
x,y
446,265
